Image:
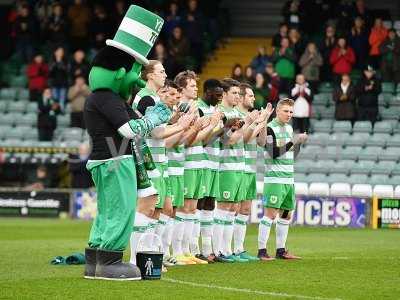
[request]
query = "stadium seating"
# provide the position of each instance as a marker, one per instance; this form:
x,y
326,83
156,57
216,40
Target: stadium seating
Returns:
x,y
318,189
383,191
340,189
361,190
301,188
362,126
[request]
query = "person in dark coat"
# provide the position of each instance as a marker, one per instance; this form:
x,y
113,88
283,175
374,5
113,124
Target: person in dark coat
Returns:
x,y
390,63
368,91
47,117
358,40
325,48
79,67
58,76
81,177
57,27
344,95
25,33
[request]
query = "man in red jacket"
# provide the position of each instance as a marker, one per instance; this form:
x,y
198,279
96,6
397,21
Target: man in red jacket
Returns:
x,y
342,59
37,73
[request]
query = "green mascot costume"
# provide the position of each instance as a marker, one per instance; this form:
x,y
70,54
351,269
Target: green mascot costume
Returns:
x,y
111,124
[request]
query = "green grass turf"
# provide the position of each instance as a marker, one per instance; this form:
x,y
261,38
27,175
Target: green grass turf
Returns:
x,y
338,263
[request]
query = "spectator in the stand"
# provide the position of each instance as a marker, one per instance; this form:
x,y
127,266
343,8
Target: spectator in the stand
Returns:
x,y
360,10
344,95
79,19
260,92
78,66
57,28
301,94
296,42
161,54
390,64
284,60
47,117
283,32
292,13
358,40
343,15
81,177
326,47
58,76
39,180
178,46
310,62
259,62
273,83
342,59
118,14
377,36
172,19
24,29
249,75
77,95
193,22
237,72
37,73
368,91
100,28
43,10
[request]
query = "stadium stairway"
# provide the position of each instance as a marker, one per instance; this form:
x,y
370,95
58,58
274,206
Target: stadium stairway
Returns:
x,y
236,50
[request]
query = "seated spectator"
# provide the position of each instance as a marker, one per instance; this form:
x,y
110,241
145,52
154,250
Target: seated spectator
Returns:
x,y
260,92
37,73
79,19
283,32
390,65
302,97
237,72
39,181
344,95
24,30
310,62
178,46
284,60
57,27
43,11
342,59
58,76
172,19
368,91
343,16
292,14
259,62
273,84
77,95
78,66
118,14
360,10
296,42
100,28
358,41
376,37
249,75
161,54
81,177
326,47
47,117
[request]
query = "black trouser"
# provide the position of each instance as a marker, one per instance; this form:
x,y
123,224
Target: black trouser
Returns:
x,y
77,120
45,133
206,203
367,114
301,124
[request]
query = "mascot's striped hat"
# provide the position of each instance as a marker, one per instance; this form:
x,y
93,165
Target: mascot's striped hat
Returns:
x,y
137,33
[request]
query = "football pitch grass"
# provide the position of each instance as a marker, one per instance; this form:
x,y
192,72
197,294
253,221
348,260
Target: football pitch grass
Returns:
x,y
338,263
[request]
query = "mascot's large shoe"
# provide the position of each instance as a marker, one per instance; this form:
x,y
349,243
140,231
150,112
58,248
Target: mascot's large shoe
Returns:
x,y
90,266
110,267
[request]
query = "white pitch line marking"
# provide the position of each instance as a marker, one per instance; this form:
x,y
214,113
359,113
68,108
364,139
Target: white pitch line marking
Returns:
x,y
248,291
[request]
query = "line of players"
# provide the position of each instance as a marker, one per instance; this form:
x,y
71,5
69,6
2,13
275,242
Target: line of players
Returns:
x,y
207,155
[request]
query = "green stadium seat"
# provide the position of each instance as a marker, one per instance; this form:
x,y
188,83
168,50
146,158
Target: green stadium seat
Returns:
x,y
370,153
337,177
322,126
31,134
3,106
396,128
12,142
23,94
321,166
8,93
342,126
383,127
3,129
330,152
358,178
358,139
390,113
351,152
303,165
322,99
394,180
396,169
338,139
362,126
363,167
32,107
390,153
383,167
375,179
316,177
393,141
319,138
17,106
72,134
325,87
384,99
394,101
300,177
63,121
29,119
388,87
379,139
343,166
7,119
327,113
19,81
14,133
309,152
